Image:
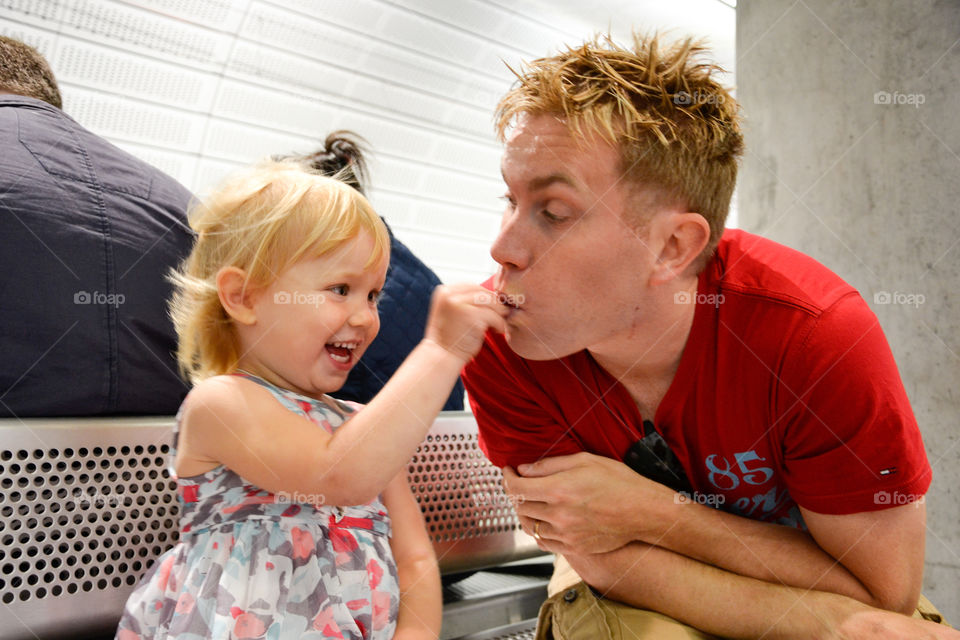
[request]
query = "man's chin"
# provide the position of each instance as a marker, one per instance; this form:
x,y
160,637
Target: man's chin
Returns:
x,y
526,345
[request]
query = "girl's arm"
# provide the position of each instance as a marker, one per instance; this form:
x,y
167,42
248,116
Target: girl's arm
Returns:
x,y
232,421
421,601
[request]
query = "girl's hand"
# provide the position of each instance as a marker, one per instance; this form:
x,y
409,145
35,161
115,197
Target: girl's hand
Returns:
x,y
460,315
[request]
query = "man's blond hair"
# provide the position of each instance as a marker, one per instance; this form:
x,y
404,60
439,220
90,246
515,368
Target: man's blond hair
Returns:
x,y
676,127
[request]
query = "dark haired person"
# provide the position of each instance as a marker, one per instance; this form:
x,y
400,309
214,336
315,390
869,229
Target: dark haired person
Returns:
x,y
405,299
87,236
707,426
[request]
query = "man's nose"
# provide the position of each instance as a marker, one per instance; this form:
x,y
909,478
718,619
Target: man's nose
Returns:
x,y
510,249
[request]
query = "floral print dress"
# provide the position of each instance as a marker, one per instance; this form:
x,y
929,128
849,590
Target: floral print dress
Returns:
x,y
253,564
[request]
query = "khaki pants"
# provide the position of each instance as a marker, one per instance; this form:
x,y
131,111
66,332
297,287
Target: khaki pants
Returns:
x,y
573,612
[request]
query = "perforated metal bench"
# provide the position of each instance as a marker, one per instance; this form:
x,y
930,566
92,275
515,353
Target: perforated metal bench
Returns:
x,y
86,505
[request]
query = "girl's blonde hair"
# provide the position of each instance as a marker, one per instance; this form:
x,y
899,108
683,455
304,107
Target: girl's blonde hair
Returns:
x,y
262,220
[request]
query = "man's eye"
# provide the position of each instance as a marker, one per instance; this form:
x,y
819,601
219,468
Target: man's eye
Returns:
x,y
551,216
510,202
340,289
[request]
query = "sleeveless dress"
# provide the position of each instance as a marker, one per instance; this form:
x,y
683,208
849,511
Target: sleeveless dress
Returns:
x,y
253,564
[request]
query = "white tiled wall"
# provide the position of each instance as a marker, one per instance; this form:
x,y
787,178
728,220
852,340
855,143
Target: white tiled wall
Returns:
x,y
200,87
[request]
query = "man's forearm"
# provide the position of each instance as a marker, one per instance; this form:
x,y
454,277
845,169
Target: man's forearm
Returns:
x,y
711,599
761,550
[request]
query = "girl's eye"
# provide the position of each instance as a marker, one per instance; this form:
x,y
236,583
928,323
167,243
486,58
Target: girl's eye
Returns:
x,y
340,289
374,296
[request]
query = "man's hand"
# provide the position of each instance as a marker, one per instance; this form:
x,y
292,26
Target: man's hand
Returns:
x,y
584,501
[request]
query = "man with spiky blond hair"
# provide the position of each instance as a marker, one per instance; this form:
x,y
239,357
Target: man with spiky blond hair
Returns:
x,y
707,427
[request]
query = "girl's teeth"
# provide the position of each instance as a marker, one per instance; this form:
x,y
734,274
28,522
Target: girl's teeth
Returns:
x,y
340,358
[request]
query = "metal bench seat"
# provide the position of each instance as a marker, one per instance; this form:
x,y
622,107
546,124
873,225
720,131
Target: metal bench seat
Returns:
x,y
86,506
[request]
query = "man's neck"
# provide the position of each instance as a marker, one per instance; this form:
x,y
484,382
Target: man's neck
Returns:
x,y
646,359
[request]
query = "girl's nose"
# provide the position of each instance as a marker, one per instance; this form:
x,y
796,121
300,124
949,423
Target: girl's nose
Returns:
x,y
364,315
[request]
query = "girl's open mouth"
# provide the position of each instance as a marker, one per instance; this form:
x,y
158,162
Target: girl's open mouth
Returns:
x,y
341,352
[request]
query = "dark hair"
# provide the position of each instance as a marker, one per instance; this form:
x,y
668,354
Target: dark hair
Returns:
x,y
342,158
25,72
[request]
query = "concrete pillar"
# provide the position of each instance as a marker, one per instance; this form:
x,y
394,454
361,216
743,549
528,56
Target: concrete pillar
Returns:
x,y
853,157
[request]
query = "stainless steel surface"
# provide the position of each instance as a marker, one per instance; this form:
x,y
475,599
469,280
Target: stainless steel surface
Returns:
x,y
86,505
525,630
471,521
488,600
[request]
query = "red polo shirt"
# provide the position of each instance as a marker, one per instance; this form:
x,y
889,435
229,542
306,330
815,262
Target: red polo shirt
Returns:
x,y
787,393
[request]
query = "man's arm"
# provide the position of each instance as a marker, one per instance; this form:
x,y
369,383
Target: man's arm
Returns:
x,y
590,502
733,606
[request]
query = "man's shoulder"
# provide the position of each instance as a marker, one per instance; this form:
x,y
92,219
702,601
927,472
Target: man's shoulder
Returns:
x,y
67,149
751,267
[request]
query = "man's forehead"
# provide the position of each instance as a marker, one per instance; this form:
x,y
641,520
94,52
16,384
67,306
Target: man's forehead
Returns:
x,y
542,151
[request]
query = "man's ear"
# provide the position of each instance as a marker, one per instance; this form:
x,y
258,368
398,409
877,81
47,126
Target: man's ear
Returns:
x,y
236,296
685,235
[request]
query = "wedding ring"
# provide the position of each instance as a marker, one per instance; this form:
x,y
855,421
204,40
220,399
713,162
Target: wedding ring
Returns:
x,y
536,530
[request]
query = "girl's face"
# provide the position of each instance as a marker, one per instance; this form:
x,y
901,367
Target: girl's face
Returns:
x,y
316,320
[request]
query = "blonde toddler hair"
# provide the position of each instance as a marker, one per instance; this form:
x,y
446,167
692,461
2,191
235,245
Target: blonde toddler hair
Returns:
x,y
262,220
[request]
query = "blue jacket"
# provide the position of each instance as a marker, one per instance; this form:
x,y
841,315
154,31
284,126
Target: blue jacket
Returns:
x,y
87,236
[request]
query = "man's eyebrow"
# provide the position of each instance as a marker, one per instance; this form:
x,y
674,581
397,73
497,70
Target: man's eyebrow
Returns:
x,y
542,182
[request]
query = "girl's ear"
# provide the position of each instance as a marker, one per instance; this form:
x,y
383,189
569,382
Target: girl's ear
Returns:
x,y
236,296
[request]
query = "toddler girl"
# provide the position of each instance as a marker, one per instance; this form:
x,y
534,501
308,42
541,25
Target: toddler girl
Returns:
x,y
284,491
